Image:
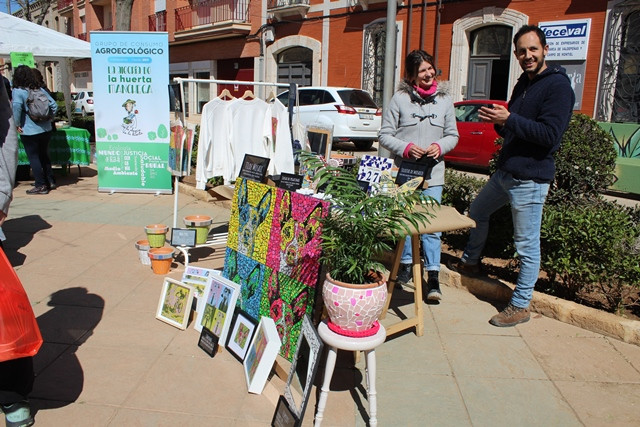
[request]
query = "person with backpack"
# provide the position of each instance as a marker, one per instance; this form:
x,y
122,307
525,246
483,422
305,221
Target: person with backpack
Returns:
x,y
33,110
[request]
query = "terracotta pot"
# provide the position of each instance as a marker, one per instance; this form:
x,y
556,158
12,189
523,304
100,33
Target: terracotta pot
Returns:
x,y
201,223
353,307
143,251
161,259
156,234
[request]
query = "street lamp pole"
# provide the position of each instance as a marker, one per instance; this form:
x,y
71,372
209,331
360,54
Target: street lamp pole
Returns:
x,y
389,63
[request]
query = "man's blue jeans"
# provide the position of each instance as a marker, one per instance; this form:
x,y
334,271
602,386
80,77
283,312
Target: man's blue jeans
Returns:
x,y
527,200
431,246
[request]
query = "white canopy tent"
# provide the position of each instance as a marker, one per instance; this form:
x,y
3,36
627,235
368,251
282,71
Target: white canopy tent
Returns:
x,y
45,44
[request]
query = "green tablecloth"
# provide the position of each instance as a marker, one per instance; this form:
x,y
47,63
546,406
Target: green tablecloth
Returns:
x,y
68,146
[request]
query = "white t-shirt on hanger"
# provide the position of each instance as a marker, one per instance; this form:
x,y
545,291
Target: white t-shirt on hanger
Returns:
x,y
214,154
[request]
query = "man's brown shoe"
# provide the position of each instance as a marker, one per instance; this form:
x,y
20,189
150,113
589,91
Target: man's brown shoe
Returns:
x,y
510,316
472,270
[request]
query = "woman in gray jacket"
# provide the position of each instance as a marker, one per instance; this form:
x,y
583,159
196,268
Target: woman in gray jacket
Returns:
x,y
420,121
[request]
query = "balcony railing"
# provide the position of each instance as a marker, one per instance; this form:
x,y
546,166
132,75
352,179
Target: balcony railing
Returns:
x,y
64,3
281,8
273,4
211,12
158,21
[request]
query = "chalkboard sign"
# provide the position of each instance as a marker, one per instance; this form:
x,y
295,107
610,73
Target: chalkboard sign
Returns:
x,y
183,237
254,168
290,181
409,170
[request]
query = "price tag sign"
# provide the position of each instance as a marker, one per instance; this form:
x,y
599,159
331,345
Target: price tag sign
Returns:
x,y
290,181
254,168
371,168
208,342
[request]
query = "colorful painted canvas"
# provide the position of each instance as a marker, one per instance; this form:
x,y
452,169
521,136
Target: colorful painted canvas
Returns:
x,y
273,253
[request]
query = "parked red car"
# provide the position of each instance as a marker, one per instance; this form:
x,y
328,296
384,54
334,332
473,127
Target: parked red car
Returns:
x,y
476,144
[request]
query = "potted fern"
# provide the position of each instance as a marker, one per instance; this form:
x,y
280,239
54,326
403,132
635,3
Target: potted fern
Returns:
x,y
357,230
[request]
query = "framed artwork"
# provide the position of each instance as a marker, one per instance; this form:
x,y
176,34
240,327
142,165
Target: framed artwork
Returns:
x,y
219,303
175,302
284,416
261,355
319,140
242,329
303,369
199,279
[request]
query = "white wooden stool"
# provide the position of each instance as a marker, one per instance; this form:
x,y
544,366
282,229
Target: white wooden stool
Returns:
x,y
337,342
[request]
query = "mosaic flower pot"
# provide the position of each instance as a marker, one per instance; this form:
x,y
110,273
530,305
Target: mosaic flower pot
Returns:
x,y
143,251
156,234
201,223
354,309
161,259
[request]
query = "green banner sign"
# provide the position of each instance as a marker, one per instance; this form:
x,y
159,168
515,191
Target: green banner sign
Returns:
x,y
130,81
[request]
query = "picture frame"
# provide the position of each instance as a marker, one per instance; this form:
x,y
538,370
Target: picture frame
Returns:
x,y
242,329
284,416
174,306
218,307
261,355
199,278
319,140
303,369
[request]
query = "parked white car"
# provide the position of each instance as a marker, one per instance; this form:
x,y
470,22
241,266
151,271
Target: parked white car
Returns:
x,y
352,112
83,102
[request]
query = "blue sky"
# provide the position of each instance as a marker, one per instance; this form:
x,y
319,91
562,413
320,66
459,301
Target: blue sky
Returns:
x,y
3,6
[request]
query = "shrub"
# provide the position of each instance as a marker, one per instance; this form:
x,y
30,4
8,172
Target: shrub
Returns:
x,y
592,246
585,162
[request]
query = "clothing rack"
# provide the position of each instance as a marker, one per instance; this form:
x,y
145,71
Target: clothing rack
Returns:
x,y
215,240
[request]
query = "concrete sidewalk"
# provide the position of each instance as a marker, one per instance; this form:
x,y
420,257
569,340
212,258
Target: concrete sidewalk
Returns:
x,y
107,361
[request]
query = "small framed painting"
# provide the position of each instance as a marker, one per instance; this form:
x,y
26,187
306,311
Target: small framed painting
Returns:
x,y
175,302
242,329
261,355
219,303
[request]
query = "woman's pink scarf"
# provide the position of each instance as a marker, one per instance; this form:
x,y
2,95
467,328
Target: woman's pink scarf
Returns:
x,y
425,93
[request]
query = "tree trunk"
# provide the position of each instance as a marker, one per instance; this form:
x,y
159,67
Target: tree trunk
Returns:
x,y
123,15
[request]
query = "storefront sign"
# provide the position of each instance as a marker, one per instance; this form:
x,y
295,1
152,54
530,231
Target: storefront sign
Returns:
x,y
567,40
576,71
130,80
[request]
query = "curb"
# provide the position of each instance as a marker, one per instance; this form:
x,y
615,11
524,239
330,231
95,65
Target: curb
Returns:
x,y
565,311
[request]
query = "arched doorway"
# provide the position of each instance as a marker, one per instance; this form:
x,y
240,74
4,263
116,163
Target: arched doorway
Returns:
x,y
295,65
461,43
489,58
